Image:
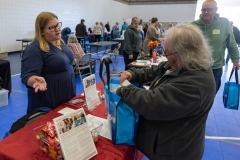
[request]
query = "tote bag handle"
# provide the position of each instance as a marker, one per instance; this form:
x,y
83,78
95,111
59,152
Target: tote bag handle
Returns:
x,y
106,61
236,75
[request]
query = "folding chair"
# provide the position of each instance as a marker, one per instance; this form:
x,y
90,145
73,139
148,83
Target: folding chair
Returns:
x,y
114,71
81,68
115,52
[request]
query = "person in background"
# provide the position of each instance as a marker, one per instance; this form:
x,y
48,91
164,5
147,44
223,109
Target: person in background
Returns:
x,y
124,27
132,42
47,65
145,28
115,31
236,34
173,112
90,30
76,49
141,31
161,30
97,31
170,25
107,26
152,35
104,32
217,29
81,30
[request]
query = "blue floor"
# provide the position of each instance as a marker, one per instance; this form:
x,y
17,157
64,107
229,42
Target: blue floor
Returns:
x,y
223,125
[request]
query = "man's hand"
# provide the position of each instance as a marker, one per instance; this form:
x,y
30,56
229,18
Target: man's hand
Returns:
x,y
130,56
40,84
236,65
142,54
125,75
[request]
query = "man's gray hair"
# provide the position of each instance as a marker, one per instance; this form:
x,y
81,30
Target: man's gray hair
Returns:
x,y
212,1
72,39
191,45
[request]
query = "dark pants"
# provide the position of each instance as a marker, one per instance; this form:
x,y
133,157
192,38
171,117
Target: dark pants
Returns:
x,y
97,38
127,60
217,73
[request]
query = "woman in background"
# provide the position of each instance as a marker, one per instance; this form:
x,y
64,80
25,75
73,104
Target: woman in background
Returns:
x,y
76,48
152,35
47,65
97,31
132,42
115,31
145,28
90,30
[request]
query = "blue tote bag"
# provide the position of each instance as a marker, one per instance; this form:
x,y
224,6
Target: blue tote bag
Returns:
x,y
231,92
122,119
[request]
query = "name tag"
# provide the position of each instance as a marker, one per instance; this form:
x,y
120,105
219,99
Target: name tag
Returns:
x,y
216,31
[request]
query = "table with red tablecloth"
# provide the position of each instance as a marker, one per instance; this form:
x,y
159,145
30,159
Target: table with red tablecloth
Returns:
x,y
23,145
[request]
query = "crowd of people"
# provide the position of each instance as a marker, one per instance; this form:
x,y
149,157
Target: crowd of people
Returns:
x,y
174,110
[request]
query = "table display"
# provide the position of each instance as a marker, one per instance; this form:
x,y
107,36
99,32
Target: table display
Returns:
x,y
23,144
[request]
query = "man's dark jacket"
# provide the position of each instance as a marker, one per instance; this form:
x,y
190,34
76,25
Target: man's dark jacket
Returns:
x,y
81,30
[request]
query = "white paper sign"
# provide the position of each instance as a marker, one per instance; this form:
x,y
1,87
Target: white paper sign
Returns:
x,y
90,92
105,131
74,135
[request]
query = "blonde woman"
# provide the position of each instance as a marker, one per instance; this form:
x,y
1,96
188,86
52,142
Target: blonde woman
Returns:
x,y
47,65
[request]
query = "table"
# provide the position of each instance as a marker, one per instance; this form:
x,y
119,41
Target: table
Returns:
x,y
5,74
23,144
100,44
142,62
25,43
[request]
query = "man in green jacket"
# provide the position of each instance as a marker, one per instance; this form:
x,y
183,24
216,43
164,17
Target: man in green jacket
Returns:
x,y
220,36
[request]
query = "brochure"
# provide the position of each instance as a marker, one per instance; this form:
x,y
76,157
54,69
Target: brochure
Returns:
x,y
90,92
74,136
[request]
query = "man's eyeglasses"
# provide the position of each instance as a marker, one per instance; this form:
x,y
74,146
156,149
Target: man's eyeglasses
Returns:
x,y
168,54
208,9
53,28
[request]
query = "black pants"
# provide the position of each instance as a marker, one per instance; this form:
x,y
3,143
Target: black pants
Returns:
x,y
97,38
127,60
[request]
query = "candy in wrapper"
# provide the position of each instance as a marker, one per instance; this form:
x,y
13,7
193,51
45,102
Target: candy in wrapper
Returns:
x,y
50,129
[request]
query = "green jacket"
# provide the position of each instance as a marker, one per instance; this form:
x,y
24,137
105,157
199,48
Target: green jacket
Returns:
x,y
220,37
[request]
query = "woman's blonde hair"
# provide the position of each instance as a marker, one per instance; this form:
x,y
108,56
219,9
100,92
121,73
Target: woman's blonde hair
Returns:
x,y
40,24
191,45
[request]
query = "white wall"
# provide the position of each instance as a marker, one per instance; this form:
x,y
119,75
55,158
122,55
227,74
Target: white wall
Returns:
x,y
164,13
17,17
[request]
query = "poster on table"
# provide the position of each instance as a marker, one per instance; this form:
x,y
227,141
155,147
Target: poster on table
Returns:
x,y
90,92
74,135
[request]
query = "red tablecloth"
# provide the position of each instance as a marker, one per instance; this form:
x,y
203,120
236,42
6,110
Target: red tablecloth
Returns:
x,y
23,145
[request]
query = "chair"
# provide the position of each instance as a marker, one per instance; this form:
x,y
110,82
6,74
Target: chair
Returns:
x,y
115,51
81,68
114,71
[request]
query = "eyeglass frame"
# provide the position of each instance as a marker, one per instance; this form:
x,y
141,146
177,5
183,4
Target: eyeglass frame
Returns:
x,y
55,27
208,9
166,54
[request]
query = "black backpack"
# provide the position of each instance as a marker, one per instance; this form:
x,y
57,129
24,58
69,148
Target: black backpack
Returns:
x,y
26,119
